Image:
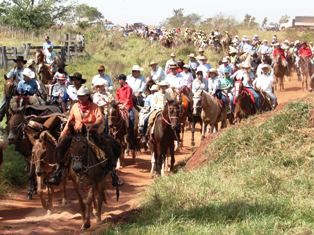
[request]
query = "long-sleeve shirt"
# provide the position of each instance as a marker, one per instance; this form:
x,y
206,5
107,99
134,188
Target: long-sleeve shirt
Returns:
x,y
137,84
264,82
158,75
305,52
90,117
199,85
16,73
174,80
109,87
159,100
213,85
279,52
186,80
124,96
27,88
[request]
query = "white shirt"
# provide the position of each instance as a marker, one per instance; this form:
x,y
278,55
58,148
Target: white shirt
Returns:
x,y
159,100
259,69
50,57
158,75
101,99
213,85
137,84
109,87
204,68
174,80
264,82
168,63
72,92
58,90
199,85
244,76
186,80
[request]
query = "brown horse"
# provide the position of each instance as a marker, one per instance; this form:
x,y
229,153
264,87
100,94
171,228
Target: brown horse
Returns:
x,y
118,127
88,173
280,70
244,105
195,116
44,159
212,113
44,70
185,107
304,66
164,133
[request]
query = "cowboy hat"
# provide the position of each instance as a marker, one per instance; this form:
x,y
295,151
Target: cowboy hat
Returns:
x,y
154,88
136,68
233,50
28,73
245,65
101,68
20,58
163,83
152,63
172,54
100,82
213,70
192,55
83,91
200,50
202,57
186,66
264,66
29,63
78,76
61,77
225,60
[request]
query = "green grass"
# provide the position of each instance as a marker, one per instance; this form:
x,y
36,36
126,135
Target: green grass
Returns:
x,y
260,183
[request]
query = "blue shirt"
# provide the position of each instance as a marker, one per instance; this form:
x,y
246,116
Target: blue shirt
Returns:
x,y
27,88
16,73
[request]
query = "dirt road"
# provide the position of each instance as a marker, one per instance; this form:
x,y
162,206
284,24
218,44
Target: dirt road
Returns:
x,y
20,216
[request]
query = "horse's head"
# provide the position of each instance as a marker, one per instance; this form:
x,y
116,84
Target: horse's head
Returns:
x,y
171,111
78,150
16,126
39,151
238,87
113,114
39,57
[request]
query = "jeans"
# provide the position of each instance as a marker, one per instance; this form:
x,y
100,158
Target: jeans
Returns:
x,y
131,129
272,97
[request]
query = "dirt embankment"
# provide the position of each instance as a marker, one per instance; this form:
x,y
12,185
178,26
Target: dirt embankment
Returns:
x,y
20,216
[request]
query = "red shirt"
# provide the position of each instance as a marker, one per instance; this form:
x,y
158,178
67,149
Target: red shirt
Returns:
x,y
279,51
124,95
305,52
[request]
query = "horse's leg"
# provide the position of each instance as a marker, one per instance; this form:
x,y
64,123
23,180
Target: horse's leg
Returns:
x,y
50,199
153,162
193,130
171,149
204,127
100,198
32,183
80,199
182,130
40,192
64,185
306,82
88,210
163,159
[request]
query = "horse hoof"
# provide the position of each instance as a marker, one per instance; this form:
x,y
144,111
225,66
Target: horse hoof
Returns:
x,y
29,196
85,226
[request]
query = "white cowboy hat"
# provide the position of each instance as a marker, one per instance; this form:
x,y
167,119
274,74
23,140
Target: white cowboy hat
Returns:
x,y
286,41
172,54
61,77
225,60
200,50
233,50
277,44
245,65
100,82
29,73
136,68
201,57
296,42
186,66
263,66
192,55
265,40
163,83
83,91
154,88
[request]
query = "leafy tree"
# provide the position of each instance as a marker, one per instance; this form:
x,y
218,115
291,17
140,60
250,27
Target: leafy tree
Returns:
x,y
264,23
31,14
180,20
249,21
89,12
284,19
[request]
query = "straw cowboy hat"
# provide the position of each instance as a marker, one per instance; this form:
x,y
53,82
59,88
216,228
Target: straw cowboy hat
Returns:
x,y
202,57
264,66
245,65
163,83
20,59
172,54
213,70
192,55
200,50
225,60
83,91
186,66
30,63
152,63
28,73
78,76
136,68
154,88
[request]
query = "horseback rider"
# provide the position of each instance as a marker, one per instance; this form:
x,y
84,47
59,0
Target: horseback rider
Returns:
x,y
226,84
264,49
124,95
16,73
193,64
225,66
137,82
279,52
70,95
101,74
187,78
27,86
58,90
265,82
172,60
203,65
47,44
50,58
157,74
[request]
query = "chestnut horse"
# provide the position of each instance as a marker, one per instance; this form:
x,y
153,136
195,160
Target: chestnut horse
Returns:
x,y
164,133
244,105
279,72
44,70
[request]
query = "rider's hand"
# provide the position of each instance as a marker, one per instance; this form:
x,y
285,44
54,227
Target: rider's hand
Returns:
x,y
78,126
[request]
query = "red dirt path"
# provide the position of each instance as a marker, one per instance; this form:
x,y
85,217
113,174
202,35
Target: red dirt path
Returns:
x,y
20,216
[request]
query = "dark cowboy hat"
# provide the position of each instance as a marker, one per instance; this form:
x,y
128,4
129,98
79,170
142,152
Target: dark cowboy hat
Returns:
x,y
20,58
78,76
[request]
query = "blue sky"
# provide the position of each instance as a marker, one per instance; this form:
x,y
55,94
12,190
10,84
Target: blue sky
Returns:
x,y
153,12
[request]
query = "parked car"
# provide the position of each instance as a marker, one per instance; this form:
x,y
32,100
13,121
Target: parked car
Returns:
x,y
272,27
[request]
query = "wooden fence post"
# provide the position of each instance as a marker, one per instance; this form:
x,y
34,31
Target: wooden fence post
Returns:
x,y
14,52
27,50
4,56
1,58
